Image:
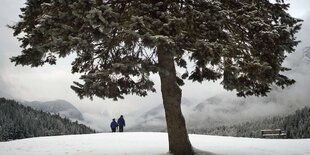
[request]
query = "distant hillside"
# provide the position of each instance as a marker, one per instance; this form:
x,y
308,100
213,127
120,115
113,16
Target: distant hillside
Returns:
x,y
61,107
153,120
18,121
296,125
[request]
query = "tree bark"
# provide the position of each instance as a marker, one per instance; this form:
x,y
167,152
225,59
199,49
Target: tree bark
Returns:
x,y
179,143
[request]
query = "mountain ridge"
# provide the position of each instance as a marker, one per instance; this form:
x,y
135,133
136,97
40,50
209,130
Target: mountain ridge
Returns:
x,y
59,106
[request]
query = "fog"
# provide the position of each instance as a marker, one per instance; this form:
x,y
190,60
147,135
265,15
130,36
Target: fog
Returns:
x,y
53,82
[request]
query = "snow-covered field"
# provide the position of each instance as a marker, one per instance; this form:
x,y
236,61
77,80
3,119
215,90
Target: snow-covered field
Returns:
x,y
143,143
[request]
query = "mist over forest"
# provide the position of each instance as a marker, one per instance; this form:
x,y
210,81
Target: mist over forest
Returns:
x,y
206,104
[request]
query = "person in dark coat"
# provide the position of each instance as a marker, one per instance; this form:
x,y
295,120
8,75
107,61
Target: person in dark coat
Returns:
x,y
121,123
113,125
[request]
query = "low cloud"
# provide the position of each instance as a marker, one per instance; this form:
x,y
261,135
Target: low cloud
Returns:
x,y
53,82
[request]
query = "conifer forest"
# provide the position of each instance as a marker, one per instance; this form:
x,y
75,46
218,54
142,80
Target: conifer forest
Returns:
x,y
18,121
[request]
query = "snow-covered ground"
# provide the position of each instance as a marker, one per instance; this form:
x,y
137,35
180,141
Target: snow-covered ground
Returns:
x,y
143,143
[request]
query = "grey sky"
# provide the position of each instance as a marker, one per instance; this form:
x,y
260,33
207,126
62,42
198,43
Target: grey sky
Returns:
x,y
53,82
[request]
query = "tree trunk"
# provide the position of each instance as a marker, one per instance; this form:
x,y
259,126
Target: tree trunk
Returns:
x,y
179,143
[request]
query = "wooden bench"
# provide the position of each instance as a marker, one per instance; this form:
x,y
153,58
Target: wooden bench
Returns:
x,y
273,133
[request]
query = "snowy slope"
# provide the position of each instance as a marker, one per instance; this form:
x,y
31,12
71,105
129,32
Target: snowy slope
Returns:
x,y
141,143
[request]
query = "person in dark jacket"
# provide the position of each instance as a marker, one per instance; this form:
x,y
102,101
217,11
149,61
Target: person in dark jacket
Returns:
x,y
121,123
113,125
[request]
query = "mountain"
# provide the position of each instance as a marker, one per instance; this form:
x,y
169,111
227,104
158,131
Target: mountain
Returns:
x,y
307,56
229,103
18,121
228,109
61,107
295,125
154,118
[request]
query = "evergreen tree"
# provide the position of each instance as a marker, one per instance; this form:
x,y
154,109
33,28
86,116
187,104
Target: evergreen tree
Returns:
x,y
18,121
296,125
119,43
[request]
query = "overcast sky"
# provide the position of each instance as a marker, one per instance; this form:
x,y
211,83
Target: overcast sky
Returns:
x,y
53,82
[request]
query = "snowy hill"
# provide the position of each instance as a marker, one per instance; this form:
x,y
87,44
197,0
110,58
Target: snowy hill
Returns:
x,y
150,144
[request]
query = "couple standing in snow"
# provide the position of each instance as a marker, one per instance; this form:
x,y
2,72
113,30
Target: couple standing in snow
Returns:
x,y
120,123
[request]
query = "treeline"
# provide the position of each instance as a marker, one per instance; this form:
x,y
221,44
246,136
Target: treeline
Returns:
x,y
18,121
296,125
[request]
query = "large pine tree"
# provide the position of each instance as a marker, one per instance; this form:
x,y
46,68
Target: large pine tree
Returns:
x,y
119,43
